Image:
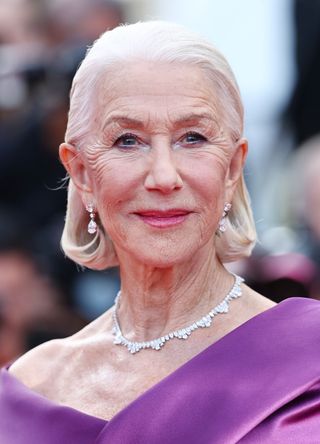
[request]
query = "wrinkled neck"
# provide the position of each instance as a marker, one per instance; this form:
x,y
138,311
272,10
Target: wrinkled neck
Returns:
x,y
155,301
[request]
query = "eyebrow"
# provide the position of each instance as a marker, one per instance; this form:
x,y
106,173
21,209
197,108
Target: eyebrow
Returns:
x,y
194,117
126,121
123,121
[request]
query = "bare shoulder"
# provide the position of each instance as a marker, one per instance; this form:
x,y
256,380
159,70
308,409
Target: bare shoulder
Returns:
x,y
255,303
35,365
39,366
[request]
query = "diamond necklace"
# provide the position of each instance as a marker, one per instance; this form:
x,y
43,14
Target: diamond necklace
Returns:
x,y
182,333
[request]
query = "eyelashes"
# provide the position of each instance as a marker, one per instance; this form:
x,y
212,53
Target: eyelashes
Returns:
x,y
192,138
129,141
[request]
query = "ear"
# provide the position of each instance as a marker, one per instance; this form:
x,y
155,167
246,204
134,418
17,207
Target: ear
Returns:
x,y
73,162
236,167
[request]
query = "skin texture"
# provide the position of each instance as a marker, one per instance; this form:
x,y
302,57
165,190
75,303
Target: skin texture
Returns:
x,y
158,168
160,144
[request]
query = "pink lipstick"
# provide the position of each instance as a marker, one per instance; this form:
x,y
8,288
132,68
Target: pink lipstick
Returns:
x,y
163,219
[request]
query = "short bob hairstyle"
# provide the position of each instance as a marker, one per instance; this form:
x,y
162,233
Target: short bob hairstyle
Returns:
x,y
162,42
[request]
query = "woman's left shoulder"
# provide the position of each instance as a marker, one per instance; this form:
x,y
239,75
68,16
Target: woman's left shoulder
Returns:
x,y
255,303
300,313
300,317
302,308
303,315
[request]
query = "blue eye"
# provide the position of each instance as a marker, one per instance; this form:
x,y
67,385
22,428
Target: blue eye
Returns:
x,y
126,140
193,138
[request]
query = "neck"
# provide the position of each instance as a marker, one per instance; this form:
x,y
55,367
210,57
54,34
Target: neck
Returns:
x,y
155,301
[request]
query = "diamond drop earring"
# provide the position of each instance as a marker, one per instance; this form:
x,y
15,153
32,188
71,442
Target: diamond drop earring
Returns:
x,y
92,225
223,221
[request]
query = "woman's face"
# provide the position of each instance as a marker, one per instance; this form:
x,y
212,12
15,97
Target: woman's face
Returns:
x,y
163,167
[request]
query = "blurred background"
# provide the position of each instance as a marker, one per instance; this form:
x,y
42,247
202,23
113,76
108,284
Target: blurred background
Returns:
x,y
274,49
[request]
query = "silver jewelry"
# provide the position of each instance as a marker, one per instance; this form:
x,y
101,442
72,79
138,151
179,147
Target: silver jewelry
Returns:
x,y
92,225
183,333
223,221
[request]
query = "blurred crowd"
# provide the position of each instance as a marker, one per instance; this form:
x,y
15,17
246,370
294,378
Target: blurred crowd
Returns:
x,y
42,294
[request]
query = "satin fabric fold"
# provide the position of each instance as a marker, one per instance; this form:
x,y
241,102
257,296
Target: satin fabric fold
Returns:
x,y
297,422
29,418
258,384
232,388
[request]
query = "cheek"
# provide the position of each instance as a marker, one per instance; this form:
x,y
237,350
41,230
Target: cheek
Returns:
x,y
116,181
113,176
209,183
111,190
206,176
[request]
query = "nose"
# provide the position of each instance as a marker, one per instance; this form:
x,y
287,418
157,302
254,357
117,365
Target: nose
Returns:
x,y
162,174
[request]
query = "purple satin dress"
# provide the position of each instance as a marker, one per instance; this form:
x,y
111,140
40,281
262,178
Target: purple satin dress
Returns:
x,y
258,384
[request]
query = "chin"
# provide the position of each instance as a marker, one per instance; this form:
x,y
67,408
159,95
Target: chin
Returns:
x,y
163,250
163,263
164,256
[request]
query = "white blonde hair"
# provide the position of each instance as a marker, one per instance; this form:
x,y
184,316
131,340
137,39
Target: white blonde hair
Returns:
x,y
154,41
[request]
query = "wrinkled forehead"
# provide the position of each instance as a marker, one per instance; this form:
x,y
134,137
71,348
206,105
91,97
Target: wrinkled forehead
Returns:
x,y
149,90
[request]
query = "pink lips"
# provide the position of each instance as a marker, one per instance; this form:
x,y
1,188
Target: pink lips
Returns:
x,y
163,219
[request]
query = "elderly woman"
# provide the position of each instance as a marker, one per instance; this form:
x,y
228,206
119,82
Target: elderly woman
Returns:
x,y
188,353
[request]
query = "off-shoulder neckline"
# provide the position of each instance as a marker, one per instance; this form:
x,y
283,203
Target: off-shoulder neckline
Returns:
x,y
32,393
